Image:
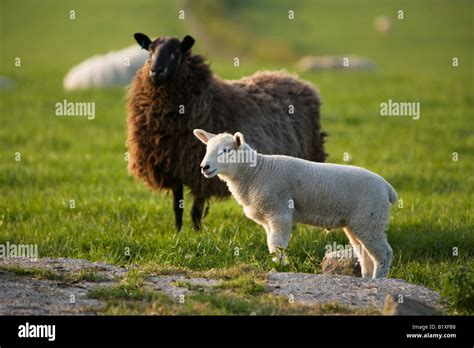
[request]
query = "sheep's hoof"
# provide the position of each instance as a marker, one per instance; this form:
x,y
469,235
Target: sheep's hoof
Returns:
x,y
280,259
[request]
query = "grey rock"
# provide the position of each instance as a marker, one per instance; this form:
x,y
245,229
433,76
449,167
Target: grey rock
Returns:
x,y
349,291
23,295
176,285
63,266
27,295
341,262
402,305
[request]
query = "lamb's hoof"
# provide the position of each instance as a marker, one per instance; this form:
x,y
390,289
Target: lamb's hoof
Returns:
x,y
280,261
279,257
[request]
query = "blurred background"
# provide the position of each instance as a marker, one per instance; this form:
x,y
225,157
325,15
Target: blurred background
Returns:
x,y
406,59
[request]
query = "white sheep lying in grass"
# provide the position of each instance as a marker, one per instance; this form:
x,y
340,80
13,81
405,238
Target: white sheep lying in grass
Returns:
x,y
115,68
277,191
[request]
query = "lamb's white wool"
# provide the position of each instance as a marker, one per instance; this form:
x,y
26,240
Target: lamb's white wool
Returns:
x,y
115,68
280,191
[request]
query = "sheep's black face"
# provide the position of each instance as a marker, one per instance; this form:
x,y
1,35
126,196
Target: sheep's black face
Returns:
x,y
165,55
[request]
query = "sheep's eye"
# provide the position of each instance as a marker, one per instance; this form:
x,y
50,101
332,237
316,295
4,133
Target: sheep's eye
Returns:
x,y
224,150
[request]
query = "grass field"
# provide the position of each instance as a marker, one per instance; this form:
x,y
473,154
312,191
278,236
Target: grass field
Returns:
x,y
65,159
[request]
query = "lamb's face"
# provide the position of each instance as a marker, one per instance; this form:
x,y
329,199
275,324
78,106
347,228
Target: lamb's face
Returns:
x,y
218,148
165,56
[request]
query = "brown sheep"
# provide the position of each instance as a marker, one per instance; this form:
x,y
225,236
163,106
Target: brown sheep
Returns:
x,y
176,92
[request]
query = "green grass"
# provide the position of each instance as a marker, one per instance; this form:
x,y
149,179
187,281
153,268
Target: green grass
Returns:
x,y
73,158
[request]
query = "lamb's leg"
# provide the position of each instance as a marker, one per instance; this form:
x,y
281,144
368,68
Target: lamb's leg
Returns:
x,y
368,263
379,251
365,261
196,212
382,255
278,237
178,206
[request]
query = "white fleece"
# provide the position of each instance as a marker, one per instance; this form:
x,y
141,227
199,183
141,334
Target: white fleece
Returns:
x,y
281,190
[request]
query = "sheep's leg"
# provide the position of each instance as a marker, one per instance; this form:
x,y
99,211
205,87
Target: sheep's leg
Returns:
x,y
278,237
365,261
382,255
196,212
379,251
178,206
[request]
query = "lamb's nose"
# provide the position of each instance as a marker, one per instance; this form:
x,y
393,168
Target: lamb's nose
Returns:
x,y
206,167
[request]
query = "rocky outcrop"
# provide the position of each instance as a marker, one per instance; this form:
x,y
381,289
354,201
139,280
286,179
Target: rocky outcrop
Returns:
x,y
61,286
349,291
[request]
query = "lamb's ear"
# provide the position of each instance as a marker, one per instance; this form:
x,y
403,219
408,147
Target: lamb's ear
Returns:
x,y
239,139
187,43
143,40
203,135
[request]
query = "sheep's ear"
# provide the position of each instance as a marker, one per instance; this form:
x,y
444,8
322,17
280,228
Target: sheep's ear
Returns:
x,y
239,139
187,43
203,135
143,40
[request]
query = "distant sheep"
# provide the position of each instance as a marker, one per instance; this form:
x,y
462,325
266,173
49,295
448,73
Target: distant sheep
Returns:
x,y
277,191
115,68
176,92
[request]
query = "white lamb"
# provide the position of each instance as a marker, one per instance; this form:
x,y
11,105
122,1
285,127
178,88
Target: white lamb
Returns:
x,y
277,191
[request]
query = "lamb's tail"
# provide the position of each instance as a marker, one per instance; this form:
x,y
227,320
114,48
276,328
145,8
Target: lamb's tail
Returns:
x,y
392,194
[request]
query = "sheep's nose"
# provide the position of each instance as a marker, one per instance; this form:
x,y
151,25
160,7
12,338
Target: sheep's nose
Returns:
x,y
154,73
206,167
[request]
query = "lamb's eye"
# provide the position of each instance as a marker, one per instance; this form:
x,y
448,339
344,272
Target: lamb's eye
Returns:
x,y
172,55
